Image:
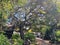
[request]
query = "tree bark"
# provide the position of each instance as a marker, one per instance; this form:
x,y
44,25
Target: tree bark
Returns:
x,y
21,30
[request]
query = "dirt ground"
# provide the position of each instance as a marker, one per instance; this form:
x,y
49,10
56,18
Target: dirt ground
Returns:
x,y
40,41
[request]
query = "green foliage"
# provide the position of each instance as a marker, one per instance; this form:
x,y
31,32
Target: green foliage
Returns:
x,y
57,35
0,15
58,9
42,12
5,8
17,40
44,29
4,40
58,6
22,2
58,24
15,36
29,36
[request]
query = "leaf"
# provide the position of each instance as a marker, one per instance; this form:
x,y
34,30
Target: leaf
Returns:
x,y
42,12
22,2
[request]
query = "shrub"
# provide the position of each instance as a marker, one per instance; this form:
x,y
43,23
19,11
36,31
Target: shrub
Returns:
x,y
29,36
44,30
57,35
15,36
4,40
16,39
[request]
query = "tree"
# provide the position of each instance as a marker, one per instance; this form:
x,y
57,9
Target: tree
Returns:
x,y
33,14
7,7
